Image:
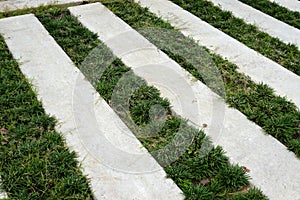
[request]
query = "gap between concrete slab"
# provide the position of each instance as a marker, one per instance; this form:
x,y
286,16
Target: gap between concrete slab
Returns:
x,y
245,143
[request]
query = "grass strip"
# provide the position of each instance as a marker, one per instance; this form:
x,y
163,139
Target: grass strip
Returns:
x,y
275,10
223,181
35,162
287,55
277,116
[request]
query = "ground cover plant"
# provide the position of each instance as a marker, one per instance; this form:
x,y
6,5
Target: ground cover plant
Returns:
x,y
273,9
277,116
207,182
287,55
208,177
35,163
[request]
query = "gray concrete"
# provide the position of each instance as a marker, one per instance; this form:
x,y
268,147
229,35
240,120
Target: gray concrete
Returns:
x,y
11,5
3,195
293,5
264,22
116,162
273,168
253,64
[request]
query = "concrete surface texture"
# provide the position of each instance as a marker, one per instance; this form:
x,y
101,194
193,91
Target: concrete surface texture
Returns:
x,y
264,22
116,162
293,5
245,143
249,62
10,5
2,195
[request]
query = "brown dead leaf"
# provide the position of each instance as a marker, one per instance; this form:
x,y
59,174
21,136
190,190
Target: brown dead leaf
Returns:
x,y
245,169
3,131
244,190
205,181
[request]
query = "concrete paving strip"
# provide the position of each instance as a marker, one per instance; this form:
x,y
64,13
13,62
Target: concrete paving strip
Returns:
x,y
116,162
245,142
264,22
11,5
2,195
293,5
249,62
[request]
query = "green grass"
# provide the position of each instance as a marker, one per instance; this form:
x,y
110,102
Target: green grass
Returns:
x,y
35,163
286,55
279,12
277,116
225,181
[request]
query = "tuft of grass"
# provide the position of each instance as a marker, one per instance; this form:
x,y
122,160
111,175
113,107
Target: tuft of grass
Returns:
x,y
35,163
273,9
287,55
190,167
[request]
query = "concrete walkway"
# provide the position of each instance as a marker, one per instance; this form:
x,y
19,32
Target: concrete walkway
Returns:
x,y
245,143
249,62
264,22
293,5
10,5
116,162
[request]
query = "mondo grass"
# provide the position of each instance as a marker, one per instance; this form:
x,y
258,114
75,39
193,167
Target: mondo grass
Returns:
x,y
277,116
273,9
287,55
35,162
209,176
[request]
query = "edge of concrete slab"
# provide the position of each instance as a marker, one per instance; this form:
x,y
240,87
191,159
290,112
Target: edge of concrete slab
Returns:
x,y
293,5
270,162
12,5
116,172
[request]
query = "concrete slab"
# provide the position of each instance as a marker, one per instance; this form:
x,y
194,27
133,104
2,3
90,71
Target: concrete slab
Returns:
x,y
10,5
116,162
293,5
3,195
264,22
245,143
249,62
